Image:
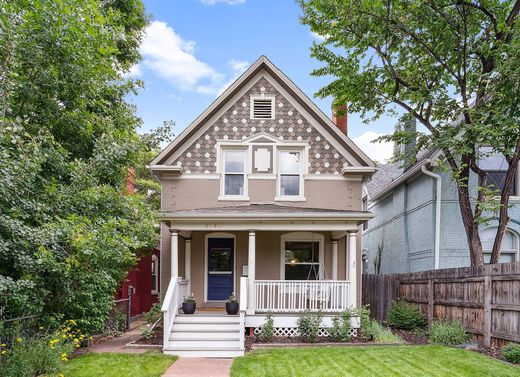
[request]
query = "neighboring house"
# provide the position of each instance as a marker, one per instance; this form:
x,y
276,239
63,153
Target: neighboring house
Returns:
x,y
142,283
418,224
261,196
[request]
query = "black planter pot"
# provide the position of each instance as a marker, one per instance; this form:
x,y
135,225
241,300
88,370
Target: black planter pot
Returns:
x,y
232,307
189,307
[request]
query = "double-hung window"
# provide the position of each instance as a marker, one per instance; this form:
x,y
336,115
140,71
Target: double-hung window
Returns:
x,y
290,174
301,260
234,173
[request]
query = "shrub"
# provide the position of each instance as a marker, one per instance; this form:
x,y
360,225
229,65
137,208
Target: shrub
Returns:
x,y
402,315
364,321
380,334
41,354
448,333
341,327
154,314
511,353
267,330
309,325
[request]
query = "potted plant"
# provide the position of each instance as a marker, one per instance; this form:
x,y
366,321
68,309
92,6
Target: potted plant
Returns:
x,y
189,304
232,305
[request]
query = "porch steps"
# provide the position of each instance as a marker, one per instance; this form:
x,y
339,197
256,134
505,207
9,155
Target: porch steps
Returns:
x,y
206,335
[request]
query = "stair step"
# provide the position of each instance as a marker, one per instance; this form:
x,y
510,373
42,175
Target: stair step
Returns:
x,y
205,334
189,327
206,319
202,343
208,352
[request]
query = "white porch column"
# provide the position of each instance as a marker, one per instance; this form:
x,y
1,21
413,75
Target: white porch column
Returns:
x,y
334,259
187,262
352,273
251,256
174,253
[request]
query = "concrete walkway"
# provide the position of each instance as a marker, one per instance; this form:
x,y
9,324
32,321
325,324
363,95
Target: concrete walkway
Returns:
x,y
200,367
116,344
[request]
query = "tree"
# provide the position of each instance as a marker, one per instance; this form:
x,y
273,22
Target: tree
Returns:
x,y
68,234
453,65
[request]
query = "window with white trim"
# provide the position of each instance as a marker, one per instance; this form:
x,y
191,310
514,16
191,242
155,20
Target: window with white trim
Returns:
x,y
262,107
509,250
234,172
290,173
302,256
155,274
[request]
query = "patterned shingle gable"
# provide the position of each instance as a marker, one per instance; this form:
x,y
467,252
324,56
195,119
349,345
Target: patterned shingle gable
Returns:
x,y
235,124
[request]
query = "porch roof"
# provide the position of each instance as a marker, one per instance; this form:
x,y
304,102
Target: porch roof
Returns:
x,y
268,217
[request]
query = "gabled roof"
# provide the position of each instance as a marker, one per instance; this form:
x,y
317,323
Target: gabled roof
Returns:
x,y
264,64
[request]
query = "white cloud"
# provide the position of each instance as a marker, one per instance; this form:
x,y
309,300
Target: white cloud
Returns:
x,y
317,36
228,2
135,71
380,152
166,53
238,67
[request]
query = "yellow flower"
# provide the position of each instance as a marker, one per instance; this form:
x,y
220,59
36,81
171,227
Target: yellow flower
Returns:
x,y
3,352
61,375
64,336
3,345
64,354
41,327
18,340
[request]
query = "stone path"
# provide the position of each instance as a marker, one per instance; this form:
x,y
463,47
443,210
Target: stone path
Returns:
x,y
117,344
199,367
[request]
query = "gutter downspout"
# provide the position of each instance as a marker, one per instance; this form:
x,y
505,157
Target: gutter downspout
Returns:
x,y
437,247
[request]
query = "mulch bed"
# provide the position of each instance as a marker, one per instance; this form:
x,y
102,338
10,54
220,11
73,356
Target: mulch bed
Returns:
x,y
155,339
412,337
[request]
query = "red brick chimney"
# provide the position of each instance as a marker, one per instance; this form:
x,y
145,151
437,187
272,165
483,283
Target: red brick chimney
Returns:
x,y
130,181
340,117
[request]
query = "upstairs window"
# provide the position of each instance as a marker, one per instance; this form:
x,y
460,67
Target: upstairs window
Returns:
x,y
234,172
290,177
262,108
495,166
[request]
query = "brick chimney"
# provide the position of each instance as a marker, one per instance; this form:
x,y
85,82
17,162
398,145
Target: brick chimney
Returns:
x,y
130,181
340,117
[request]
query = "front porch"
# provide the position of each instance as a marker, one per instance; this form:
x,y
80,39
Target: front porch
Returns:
x,y
279,264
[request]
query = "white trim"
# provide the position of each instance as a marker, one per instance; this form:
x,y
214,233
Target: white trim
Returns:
x,y
304,163
223,173
155,261
252,98
286,226
205,278
302,237
232,198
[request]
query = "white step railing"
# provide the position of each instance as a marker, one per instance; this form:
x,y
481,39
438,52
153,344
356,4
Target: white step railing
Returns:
x,y
243,307
285,296
177,291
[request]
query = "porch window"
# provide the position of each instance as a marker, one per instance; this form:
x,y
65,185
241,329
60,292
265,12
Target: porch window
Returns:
x,y
234,172
155,274
290,174
302,260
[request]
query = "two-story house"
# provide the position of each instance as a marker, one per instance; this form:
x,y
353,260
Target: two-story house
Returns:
x,y
261,196
418,225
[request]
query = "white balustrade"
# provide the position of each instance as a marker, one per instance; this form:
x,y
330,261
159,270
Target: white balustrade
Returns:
x,y
177,291
298,295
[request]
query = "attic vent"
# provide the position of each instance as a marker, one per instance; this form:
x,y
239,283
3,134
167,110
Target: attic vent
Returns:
x,y
262,108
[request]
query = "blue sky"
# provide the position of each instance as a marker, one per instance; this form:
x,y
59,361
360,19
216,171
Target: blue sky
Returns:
x,y
194,48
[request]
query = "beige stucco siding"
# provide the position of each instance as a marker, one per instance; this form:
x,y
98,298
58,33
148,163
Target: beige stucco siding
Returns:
x,y
182,194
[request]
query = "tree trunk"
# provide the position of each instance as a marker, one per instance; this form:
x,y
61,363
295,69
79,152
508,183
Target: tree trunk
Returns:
x,y
470,224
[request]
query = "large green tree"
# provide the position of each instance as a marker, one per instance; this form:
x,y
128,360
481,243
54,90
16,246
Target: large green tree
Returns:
x,y
453,65
68,234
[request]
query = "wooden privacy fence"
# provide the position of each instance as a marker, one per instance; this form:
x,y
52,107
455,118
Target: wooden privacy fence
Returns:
x,y
485,299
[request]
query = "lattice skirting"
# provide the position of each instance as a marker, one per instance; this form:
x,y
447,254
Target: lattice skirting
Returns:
x,y
293,331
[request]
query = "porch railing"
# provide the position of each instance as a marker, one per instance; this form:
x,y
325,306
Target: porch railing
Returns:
x,y
298,295
177,290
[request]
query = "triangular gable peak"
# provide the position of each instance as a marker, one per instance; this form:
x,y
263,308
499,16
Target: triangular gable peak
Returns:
x,y
296,119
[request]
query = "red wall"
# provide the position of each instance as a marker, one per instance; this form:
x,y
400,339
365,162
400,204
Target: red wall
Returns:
x,y
141,279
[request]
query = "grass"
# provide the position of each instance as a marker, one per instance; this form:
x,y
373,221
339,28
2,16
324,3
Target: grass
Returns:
x,y
118,365
370,361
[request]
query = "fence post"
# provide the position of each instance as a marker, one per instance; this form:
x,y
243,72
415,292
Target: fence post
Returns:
x,y
487,309
431,300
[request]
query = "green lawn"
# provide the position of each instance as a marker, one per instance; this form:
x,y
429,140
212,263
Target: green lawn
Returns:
x,y
371,361
118,365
